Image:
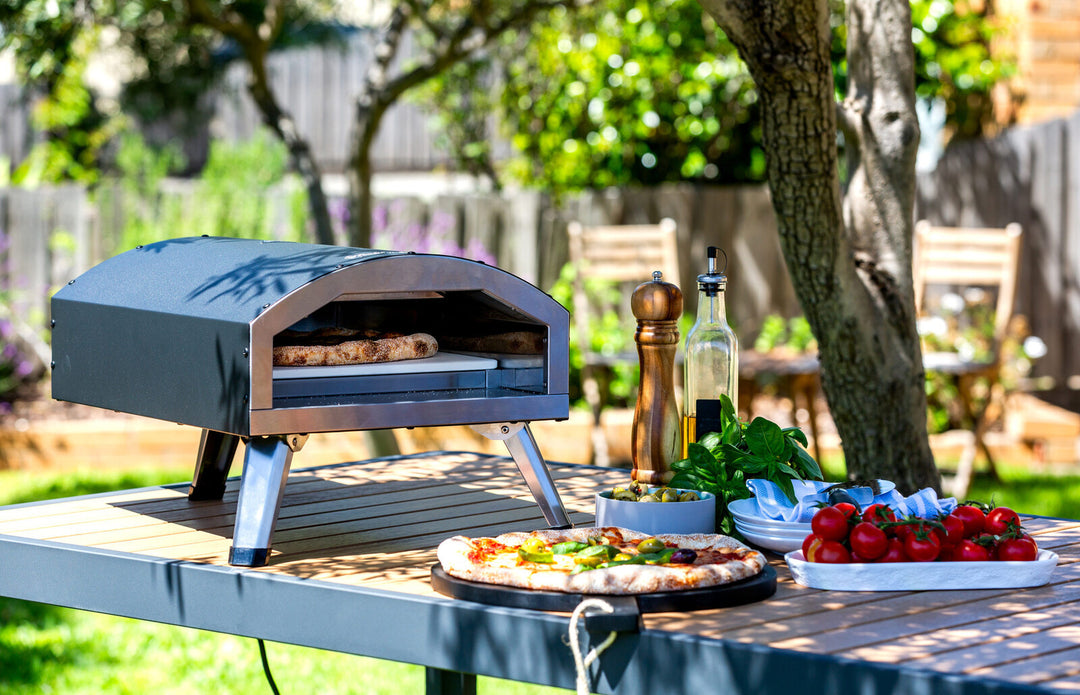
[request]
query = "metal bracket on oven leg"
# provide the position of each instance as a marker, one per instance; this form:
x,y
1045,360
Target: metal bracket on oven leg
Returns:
x,y
262,486
216,452
526,454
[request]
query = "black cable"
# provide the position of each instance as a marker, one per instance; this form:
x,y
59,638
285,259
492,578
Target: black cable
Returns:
x,y
266,667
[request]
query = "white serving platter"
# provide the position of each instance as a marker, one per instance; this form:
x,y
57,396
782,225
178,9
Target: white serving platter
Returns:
x,y
922,576
439,362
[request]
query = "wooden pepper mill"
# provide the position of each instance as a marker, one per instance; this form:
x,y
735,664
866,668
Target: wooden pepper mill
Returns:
x,y
656,440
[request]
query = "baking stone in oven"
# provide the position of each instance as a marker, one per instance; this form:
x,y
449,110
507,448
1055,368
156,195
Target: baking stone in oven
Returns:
x,y
439,362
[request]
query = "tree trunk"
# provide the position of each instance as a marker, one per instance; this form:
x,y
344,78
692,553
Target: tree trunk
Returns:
x,y
299,151
850,259
365,125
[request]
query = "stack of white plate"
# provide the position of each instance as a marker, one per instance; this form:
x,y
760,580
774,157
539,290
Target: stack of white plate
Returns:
x,y
772,534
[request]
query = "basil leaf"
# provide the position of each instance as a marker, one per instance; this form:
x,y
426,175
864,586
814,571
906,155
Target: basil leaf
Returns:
x,y
710,440
766,439
809,466
797,434
784,483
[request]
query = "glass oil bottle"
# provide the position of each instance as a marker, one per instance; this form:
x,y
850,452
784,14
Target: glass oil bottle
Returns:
x,y
712,357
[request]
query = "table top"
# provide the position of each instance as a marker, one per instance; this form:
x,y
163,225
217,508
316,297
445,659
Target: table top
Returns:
x,y
355,544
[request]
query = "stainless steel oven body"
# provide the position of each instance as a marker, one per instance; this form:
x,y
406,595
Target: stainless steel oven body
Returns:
x,y
183,330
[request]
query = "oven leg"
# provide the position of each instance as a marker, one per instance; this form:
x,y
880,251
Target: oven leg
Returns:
x,y
262,486
216,452
526,454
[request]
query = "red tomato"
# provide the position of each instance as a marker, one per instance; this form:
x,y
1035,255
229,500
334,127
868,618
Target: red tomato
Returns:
x,y
922,546
849,510
810,546
895,552
973,518
970,551
830,523
1015,549
878,513
868,541
830,552
1000,520
954,530
947,554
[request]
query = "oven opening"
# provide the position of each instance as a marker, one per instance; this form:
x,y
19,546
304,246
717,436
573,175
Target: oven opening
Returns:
x,y
485,350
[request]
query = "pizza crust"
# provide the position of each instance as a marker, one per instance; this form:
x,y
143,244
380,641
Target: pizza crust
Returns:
x,y
456,556
363,351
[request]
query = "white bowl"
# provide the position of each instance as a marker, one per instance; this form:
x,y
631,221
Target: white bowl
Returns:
x,y
743,510
780,544
799,531
658,517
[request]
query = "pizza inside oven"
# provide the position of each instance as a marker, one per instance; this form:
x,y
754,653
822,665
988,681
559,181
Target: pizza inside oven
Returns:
x,y
341,346
606,560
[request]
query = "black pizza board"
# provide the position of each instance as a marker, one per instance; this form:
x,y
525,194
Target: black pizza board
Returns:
x,y
628,608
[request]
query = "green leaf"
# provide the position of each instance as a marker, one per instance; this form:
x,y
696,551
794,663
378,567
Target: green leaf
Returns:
x,y
710,441
752,465
811,469
797,434
788,489
764,438
791,472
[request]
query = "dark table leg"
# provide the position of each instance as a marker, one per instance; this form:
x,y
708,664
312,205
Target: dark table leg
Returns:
x,y
440,682
216,451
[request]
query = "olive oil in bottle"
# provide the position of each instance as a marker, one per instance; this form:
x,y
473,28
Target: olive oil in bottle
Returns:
x,y
712,357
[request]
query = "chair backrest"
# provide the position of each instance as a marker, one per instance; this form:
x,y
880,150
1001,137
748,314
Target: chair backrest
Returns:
x,y
623,255
969,257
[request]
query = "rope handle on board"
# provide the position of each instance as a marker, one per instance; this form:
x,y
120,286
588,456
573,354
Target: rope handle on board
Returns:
x,y
582,663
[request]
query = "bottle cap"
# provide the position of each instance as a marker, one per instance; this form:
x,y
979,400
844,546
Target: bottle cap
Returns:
x,y
714,279
657,300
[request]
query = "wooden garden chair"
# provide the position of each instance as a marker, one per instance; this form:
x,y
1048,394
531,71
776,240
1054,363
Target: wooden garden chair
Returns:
x,y
625,255
956,259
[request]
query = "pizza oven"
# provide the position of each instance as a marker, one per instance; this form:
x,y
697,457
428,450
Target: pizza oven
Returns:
x,y
184,330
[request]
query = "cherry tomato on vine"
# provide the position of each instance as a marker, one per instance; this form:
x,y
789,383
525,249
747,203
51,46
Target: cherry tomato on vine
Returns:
x,y
1015,549
1000,519
878,513
954,530
868,541
830,523
895,552
849,510
922,546
970,551
973,518
830,552
806,544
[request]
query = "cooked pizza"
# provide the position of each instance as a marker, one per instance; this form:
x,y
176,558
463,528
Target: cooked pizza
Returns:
x,y
605,560
339,346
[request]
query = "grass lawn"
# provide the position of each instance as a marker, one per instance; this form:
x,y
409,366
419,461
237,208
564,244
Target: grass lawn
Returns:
x,y
46,649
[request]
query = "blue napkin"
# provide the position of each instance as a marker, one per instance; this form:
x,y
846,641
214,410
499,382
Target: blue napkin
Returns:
x,y
771,503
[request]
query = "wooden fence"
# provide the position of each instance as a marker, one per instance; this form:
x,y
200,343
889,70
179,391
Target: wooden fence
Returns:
x,y
1029,175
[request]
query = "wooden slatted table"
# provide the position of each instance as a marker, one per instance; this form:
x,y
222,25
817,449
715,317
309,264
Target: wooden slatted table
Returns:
x,y
355,544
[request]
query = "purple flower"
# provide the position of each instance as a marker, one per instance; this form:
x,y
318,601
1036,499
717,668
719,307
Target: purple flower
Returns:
x,y
5,328
476,251
23,368
379,219
9,351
